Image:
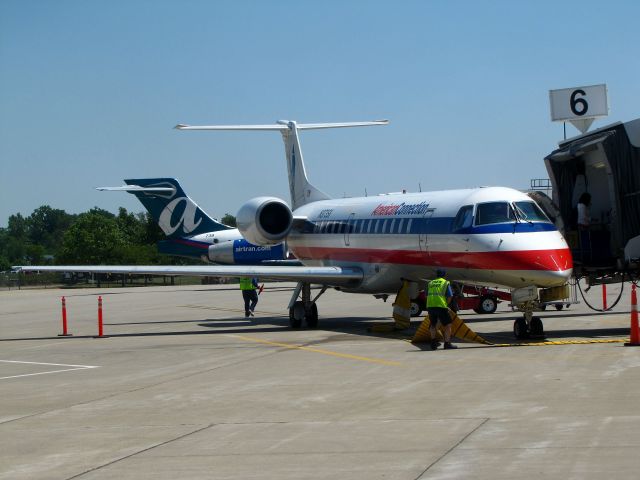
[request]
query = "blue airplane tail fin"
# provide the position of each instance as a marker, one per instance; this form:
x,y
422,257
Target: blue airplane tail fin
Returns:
x,y
176,214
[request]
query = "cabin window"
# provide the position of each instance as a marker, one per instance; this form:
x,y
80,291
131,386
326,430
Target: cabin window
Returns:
x,y
463,218
494,212
384,226
400,224
393,224
409,223
356,227
530,212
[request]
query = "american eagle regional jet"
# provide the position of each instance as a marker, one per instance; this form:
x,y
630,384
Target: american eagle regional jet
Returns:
x,y
486,236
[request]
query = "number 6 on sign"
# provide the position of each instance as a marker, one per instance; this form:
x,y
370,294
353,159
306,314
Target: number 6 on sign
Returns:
x,y
578,102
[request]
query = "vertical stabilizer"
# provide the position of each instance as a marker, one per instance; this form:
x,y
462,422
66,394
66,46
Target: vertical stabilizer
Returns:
x,y
302,192
176,214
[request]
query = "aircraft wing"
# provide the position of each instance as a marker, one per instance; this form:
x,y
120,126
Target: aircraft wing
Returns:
x,y
320,275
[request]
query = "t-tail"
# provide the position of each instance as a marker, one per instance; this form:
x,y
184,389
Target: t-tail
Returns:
x,y
301,190
177,215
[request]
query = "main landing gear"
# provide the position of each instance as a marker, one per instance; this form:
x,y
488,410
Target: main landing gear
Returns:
x,y
528,326
306,309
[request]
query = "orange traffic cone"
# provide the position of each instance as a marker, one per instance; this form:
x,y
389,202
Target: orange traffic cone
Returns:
x,y
634,336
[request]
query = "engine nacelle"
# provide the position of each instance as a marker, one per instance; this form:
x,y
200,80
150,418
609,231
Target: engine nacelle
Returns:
x,y
264,220
241,252
221,253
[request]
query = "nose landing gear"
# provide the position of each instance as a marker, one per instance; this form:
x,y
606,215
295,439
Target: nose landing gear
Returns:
x,y
528,326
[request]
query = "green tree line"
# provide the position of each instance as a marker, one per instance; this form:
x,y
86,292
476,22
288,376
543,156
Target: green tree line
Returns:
x,y
53,236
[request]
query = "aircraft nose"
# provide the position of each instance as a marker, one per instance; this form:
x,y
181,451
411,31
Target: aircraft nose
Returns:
x,y
548,278
555,267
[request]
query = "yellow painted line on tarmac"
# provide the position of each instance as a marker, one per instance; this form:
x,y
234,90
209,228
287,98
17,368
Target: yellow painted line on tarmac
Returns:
x,y
542,344
318,350
560,342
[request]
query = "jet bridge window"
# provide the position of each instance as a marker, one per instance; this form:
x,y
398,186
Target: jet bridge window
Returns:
x,y
463,219
529,211
494,212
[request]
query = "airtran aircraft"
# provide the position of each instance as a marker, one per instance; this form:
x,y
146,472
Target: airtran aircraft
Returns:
x,y
486,236
190,231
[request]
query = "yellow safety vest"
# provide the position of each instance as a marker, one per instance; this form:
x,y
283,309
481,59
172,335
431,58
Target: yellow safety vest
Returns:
x,y
246,283
437,295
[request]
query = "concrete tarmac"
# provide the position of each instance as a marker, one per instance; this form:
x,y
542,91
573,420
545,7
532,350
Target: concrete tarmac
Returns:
x,y
184,387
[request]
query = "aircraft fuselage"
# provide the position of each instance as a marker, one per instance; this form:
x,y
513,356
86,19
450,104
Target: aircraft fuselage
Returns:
x,y
480,236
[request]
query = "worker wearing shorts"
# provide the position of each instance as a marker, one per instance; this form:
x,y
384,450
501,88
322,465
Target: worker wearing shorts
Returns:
x,y
439,296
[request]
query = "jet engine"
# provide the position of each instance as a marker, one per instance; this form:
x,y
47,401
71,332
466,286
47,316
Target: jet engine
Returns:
x,y
264,220
221,253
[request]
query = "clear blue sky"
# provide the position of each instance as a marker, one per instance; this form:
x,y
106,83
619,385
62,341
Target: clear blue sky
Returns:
x,y
90,91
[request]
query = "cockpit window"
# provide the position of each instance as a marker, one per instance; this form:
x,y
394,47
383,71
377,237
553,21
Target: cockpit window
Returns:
x,y
463,218
494,212
530,212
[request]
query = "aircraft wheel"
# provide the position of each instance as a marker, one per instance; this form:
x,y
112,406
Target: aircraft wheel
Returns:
x,y
537,329
311,316
487,305
559,306
543,306
415,309
520,329
296,315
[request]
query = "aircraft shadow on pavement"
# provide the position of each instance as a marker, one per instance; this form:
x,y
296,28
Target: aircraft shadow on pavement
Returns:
x,y
233,325
345,325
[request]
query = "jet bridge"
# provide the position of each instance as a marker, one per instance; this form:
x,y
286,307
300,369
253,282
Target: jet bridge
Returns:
x,y
606,164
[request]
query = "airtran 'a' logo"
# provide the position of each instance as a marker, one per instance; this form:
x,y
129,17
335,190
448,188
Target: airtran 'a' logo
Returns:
x,y
187,219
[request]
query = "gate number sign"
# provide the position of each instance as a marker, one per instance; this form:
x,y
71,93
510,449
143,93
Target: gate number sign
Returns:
x,y
578,103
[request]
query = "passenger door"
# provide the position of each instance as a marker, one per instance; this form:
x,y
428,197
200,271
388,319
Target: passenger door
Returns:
x,y
423,238
348,228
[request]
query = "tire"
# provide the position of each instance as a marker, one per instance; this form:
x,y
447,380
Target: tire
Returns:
x,y
559,306
415,308
537,328
311,316
487,305
520,330
543,307
296,315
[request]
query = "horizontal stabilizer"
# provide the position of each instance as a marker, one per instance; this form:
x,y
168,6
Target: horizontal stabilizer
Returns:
x,y
282,125
136,188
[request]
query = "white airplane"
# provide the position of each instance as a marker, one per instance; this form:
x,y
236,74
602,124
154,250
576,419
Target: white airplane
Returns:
x,y
191,232
491,236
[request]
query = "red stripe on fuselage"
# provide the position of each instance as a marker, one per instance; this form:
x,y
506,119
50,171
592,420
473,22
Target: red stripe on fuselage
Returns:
x,y
552,259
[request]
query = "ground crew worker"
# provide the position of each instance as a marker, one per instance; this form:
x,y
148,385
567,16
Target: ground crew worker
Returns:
x,y
438,298
248,287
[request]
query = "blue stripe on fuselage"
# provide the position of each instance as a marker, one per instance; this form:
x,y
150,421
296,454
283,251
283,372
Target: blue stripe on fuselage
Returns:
x,y
408,226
